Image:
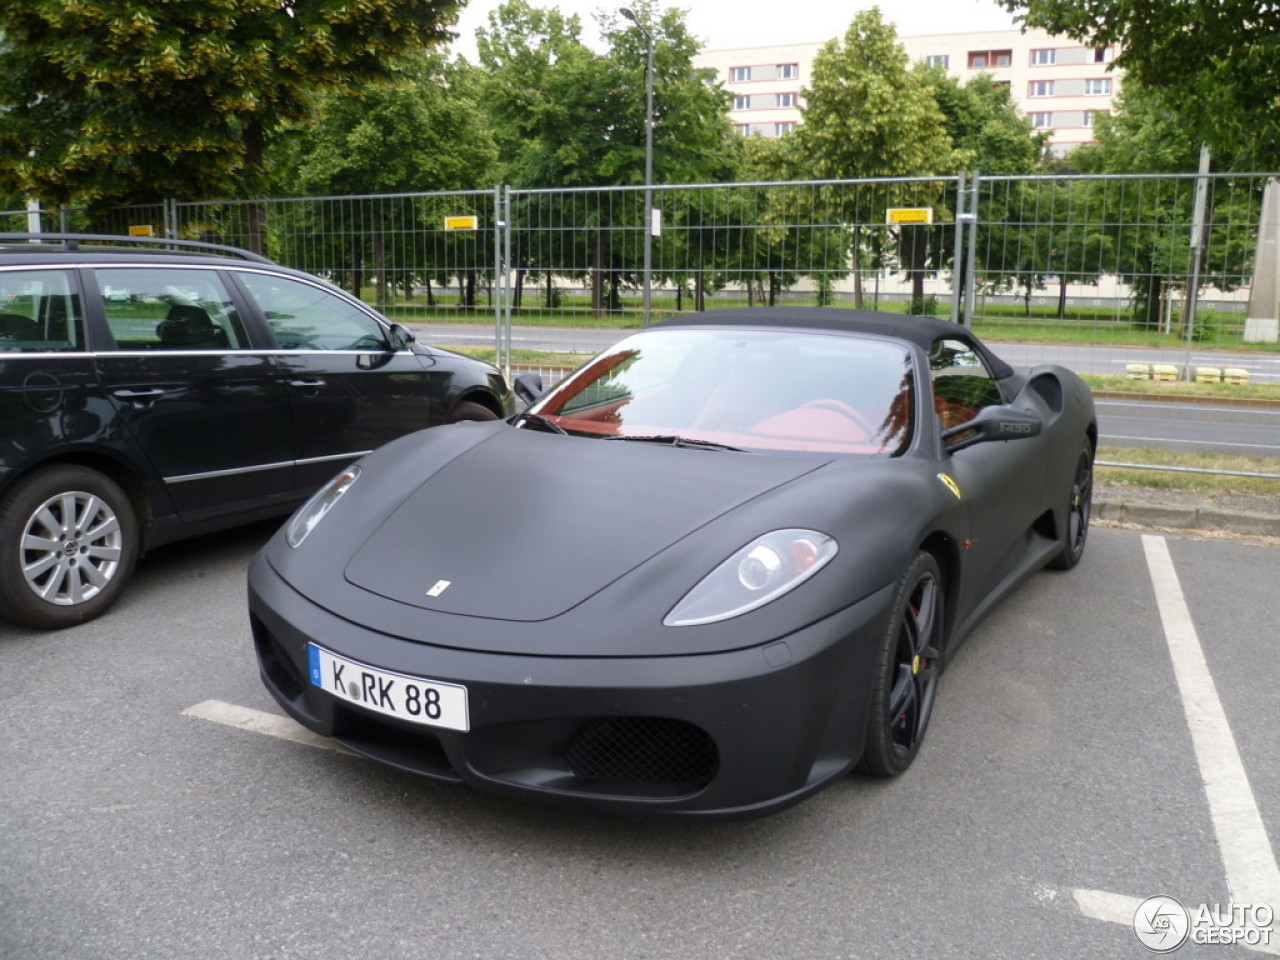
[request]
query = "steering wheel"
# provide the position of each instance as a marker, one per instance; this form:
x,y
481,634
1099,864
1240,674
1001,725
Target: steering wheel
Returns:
x,y
846,411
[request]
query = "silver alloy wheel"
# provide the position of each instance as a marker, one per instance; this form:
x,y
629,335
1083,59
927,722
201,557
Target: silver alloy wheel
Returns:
x,y
71,548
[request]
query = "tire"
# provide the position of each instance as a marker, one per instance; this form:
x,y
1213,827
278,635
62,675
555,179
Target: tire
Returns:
x,y
1079,509
469,410
68,545
906,676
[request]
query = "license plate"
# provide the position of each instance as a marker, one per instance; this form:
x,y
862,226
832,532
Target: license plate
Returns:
x,y
415,699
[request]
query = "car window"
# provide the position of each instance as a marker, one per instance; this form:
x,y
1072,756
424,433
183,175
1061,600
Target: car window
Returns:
x,y
750,389
158,308
39,312
307,317
962,384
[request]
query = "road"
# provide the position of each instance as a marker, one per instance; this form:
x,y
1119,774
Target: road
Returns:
x,y
1225,429
1060,785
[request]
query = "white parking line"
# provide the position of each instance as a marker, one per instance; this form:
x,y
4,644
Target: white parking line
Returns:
x,y
1252,874
255,721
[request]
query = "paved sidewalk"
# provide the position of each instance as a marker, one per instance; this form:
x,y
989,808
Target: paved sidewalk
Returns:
x,y
1247,515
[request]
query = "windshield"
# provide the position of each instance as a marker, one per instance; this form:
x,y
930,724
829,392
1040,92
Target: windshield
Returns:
x,y
755,390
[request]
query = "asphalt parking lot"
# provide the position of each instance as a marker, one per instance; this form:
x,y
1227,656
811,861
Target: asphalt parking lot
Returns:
x,y
1060,785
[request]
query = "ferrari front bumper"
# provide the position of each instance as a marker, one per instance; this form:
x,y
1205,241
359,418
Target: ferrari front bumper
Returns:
x,y
724,735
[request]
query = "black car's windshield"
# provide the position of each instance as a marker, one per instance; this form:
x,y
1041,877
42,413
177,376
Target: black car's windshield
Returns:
x,y
744,389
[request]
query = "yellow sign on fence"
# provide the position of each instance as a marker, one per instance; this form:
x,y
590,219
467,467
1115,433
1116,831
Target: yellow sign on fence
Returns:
x,y
462,223
908,215
141,230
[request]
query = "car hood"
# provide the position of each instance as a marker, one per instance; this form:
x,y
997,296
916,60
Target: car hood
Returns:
x,y
527,525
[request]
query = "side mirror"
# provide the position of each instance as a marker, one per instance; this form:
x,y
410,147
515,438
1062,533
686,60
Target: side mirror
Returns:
x,y
992,423
528,387
401,336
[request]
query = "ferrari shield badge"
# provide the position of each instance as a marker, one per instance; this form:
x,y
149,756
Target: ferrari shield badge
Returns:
x,y
950,485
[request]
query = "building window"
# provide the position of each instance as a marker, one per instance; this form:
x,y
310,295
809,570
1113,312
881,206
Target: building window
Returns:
x,y
742,103
1040,88
938,60
788,71
1097,87
984,59
1042,121
1044,58
739,74
786,99
1102,54
743,129
783,127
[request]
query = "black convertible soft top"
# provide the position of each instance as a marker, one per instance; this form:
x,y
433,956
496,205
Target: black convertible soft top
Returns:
x,y
922,331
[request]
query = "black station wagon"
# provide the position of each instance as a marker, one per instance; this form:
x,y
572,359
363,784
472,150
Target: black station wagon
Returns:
x,y
152,390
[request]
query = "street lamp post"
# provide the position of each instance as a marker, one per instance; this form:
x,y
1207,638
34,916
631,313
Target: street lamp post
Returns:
x,y
648,164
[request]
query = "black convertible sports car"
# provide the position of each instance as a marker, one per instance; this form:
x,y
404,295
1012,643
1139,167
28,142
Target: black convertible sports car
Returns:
x,y
718,566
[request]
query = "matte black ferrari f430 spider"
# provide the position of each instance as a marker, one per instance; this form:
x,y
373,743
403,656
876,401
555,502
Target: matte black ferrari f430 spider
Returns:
x,y
720,565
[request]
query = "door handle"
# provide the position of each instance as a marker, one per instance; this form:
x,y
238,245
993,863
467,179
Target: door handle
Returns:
x,y
307,384
140,398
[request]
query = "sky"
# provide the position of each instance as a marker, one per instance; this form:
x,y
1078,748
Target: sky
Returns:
x,y
725,24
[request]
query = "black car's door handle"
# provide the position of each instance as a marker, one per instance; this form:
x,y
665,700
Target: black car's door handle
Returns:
x,y
140,398
307,385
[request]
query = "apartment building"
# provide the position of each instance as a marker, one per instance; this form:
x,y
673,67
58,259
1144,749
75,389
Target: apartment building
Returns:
x,y
1059,84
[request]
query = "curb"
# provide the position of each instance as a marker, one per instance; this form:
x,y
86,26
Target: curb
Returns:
x,y
1186,518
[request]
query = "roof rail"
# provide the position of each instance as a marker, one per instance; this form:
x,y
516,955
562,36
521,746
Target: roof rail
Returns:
x,y
71,243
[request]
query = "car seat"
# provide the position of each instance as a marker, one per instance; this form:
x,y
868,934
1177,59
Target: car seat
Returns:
x,y
188,327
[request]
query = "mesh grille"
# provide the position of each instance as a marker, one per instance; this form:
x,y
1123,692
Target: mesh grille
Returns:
x,y
643,749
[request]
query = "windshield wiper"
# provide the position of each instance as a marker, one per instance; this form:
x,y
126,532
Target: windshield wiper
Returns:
x,y
538,420
675,440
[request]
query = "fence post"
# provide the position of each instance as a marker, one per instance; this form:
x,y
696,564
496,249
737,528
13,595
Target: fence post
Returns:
x,y
499,281
970,272
957,261
1197,254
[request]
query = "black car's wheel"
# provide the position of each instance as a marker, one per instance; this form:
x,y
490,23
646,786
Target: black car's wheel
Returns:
x,y
468,410
1079,508
68,544
907,673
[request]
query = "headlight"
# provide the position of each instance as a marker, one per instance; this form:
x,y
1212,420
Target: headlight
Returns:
x,y
321,502
761,571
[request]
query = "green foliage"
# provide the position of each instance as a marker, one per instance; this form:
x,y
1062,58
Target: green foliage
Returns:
x,y
984,123
565,116
1215,66
119,101
867,114
421,133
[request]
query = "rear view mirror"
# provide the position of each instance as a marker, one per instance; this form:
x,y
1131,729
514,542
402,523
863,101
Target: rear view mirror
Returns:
x,y
992,423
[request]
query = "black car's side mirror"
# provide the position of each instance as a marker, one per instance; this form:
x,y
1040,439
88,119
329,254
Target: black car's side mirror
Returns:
x,y
528,387
401,337
992,423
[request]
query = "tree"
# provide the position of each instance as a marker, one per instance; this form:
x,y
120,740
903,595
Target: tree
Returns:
x,y
421,133
1215,65
123,101
571,117
984,123
868,115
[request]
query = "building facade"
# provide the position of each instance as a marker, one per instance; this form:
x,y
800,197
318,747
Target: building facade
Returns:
x,y
1057,83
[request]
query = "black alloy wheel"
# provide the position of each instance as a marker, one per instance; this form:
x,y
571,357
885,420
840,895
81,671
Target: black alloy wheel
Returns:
x,y
907,674
1079,508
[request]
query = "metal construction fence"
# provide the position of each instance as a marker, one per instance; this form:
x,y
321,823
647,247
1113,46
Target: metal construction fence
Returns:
x,y
1152,261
